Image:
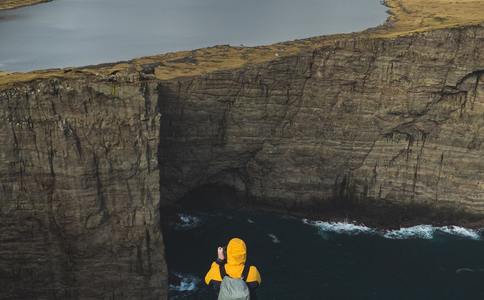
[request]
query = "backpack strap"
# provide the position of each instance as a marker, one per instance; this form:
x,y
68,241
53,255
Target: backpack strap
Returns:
x,y
245,272
222,270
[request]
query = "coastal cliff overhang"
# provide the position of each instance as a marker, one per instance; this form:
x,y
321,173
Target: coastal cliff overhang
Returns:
x,y
406,17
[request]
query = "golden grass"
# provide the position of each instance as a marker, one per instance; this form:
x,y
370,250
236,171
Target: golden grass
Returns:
x,y
409,16
174,64
406,17
11,4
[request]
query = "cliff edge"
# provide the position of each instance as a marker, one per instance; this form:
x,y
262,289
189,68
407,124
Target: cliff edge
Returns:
x,y
91,157
12,4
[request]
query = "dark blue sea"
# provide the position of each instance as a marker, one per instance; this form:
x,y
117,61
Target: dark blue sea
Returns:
x,y
311,259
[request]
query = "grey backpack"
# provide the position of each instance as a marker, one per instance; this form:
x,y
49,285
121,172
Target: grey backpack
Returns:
x,y
233,288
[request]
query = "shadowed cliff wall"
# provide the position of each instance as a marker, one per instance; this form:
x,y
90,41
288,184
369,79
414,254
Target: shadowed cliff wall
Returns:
x,y
79,192
87,164
396,120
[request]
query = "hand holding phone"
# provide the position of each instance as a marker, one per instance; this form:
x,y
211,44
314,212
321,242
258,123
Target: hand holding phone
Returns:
x,y
220,253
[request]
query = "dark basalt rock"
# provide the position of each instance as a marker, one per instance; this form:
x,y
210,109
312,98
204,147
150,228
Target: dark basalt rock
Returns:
x,y
88,166
392,120
79,192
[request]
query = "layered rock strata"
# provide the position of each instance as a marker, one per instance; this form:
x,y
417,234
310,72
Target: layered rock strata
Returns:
x,y
79,192
396,120
87,164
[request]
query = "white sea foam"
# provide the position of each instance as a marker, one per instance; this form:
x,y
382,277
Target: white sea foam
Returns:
x,y
274,238
464,270
250,221
339,227
413,232
461,231
188,221
419,231
187,283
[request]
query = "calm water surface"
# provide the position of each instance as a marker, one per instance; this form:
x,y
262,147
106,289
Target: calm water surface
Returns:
x,y
300,259
80,32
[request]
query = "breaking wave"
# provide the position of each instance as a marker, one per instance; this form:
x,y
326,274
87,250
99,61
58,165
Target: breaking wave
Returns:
x,y
187,221
274,238
339,227
414,232
186,283
461,232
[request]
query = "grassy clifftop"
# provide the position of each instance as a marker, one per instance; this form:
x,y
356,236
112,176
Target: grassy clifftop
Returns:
x,y
406,17
11,4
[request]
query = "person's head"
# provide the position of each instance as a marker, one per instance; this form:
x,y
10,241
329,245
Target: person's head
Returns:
x,y
236,252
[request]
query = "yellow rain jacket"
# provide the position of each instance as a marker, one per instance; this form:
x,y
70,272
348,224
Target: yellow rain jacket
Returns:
x,y
236,257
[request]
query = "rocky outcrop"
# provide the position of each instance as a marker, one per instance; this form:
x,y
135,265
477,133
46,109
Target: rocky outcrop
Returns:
x,y
87,163
79,192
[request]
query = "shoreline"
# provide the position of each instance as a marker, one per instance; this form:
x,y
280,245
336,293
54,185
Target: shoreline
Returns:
x,y
336,218
383,216
14,4
388,224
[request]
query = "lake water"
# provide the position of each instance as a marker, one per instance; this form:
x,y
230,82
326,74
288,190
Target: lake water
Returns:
x,y
302,259
80,32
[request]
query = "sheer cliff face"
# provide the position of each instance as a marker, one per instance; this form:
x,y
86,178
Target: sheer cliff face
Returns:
x,y
86,164
398,120
79,192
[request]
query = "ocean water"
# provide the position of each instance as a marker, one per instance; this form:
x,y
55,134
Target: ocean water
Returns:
x,y
311,259
66,33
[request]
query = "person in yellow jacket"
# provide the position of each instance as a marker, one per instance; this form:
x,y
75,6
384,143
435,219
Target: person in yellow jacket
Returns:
x,y
235,266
